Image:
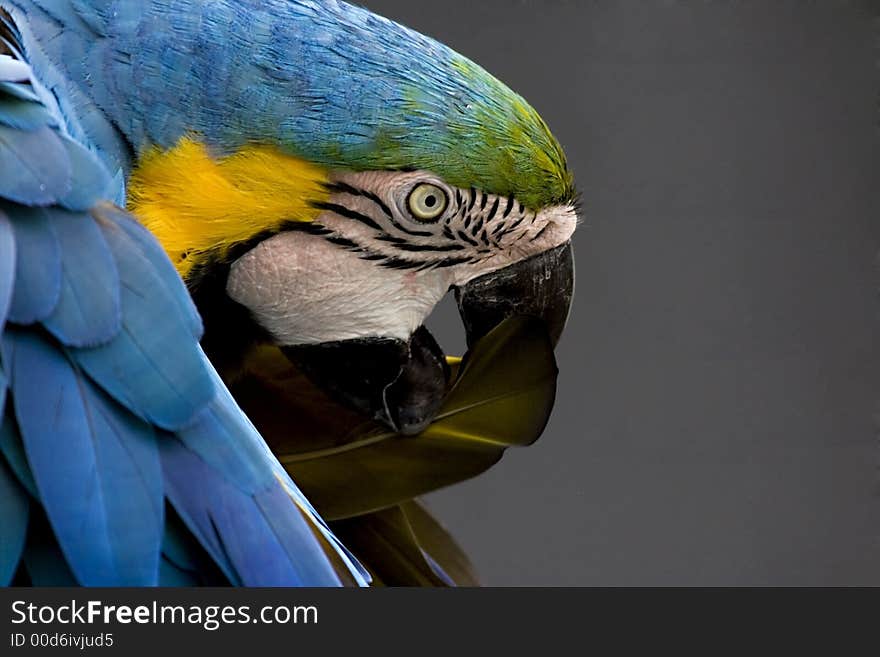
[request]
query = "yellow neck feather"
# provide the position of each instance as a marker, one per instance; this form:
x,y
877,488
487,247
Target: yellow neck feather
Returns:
x,y
193,203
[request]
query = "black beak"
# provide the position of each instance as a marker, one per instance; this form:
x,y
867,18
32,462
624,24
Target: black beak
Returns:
x,y
541,286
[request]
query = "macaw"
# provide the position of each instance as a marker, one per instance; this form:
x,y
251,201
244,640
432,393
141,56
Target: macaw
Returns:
x,y
302,182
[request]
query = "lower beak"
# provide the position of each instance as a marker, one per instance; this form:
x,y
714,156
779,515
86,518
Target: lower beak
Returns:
x,y
541,286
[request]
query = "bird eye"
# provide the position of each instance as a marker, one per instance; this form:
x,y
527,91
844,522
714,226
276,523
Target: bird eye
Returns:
x,y
427,202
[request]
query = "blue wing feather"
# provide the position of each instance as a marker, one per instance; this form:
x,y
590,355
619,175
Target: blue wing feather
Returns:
x,y
146,245
131,477
37,288
274,504
216,436
164,385
7,269
245,533
88,310
187,482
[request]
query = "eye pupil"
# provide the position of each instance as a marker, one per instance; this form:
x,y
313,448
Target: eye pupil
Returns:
x,y
427,202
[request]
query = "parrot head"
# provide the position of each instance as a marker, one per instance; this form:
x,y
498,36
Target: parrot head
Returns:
x,y
346,186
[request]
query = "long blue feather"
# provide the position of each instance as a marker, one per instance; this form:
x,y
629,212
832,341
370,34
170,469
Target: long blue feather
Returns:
x,y
249,540
220,437
88,310
274,503
96,484
7,268
14,507
37,288
189,484
131,477
153,365
145,243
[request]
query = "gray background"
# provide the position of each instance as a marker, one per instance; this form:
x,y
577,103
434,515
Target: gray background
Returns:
x,y
719,374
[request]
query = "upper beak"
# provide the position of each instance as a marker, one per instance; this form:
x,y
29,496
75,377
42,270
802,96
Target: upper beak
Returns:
x,y
541,286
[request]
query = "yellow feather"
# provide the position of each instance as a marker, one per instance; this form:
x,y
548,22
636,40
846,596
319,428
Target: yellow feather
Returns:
x,y
194,203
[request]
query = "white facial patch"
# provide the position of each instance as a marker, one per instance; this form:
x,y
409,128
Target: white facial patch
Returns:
x,y
306,290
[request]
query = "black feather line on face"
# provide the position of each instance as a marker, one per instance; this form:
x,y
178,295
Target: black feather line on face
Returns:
x,y
392,239
429,248
345,188
508,208
493,209
343,211
472,199
467,238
